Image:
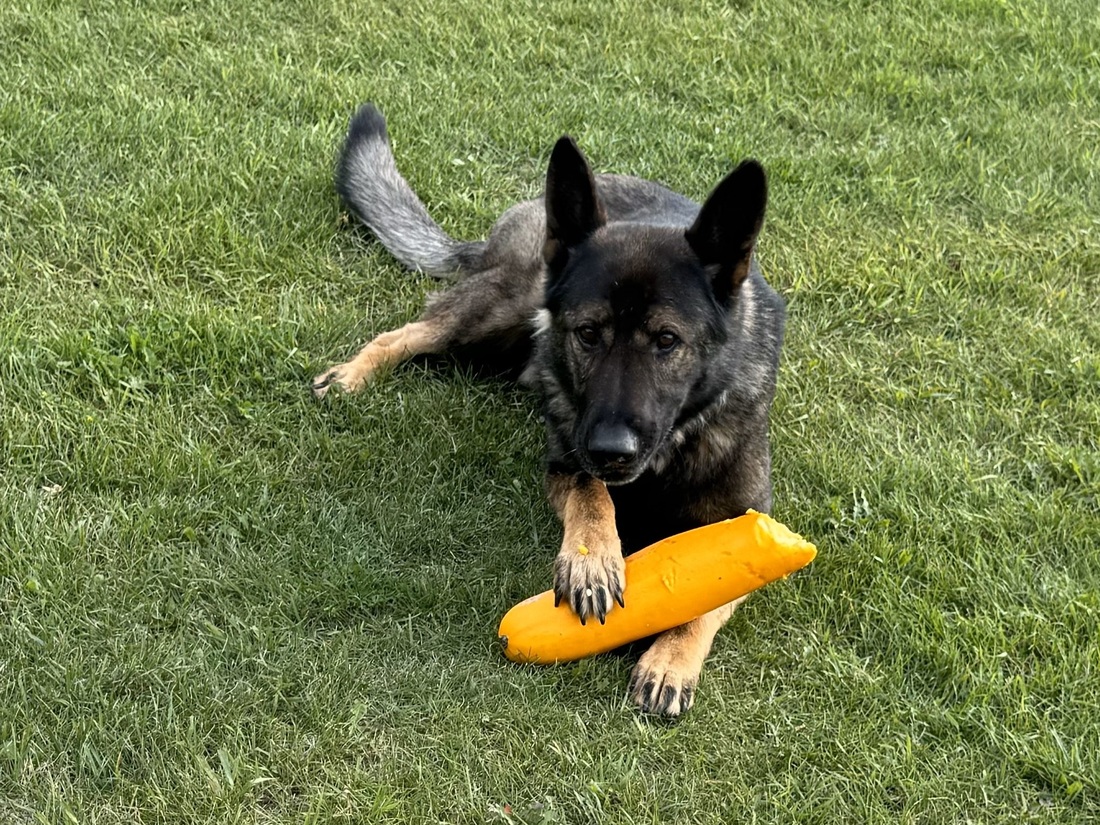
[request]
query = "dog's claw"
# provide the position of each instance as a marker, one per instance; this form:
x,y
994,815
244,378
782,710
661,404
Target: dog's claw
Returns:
x,y
578,603
321,384
669,697
601,608
617,593
687,698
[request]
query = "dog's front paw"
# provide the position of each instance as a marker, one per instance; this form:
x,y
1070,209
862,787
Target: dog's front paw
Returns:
x,y
665,678
589,577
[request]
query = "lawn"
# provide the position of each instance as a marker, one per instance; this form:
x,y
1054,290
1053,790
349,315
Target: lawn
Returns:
x,y
222,601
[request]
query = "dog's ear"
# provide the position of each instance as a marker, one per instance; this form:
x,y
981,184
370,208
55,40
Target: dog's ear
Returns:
x,y
724,234
573,210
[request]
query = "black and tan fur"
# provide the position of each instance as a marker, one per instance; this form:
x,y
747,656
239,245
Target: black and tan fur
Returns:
x,y
644,323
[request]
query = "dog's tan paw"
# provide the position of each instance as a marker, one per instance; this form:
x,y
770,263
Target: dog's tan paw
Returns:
x,y
342,377
665,679
590,577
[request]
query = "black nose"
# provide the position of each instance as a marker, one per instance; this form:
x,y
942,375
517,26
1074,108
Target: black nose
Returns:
x,y
612,444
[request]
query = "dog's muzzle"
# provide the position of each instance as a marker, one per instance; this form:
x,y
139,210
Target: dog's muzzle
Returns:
x,y
613,449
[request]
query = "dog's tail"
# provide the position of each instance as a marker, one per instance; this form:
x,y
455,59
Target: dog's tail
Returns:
x,y
368,181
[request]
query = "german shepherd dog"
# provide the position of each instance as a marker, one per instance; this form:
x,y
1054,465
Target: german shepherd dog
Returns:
x,y
645,325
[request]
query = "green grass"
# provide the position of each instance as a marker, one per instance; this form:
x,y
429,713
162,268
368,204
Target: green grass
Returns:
x,y
221,601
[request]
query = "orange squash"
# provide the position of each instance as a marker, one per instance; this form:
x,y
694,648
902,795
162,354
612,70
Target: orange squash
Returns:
x,y
667,584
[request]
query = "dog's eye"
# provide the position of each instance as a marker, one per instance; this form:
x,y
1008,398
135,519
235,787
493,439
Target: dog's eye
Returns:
x,y
667,340
588,335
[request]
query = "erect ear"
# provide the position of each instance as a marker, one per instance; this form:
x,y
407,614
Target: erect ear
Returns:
x,y
573,211
724,234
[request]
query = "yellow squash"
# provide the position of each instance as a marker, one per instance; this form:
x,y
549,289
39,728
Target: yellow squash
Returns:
x,y
667,584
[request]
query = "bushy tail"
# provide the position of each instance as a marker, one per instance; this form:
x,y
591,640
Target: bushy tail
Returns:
x,y
368,181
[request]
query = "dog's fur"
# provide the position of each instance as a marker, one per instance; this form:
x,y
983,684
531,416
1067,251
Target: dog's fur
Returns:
x,y
648,330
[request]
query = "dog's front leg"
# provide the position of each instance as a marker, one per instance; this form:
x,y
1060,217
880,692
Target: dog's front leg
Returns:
x,y
665,678
589,569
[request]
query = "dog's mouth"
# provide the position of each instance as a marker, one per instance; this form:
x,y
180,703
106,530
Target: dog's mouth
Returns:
x,y
614,471
615,475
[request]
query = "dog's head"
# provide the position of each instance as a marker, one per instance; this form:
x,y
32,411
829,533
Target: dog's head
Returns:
x,y
638,312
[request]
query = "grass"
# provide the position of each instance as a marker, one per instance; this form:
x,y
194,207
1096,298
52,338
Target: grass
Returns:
x,y
223,602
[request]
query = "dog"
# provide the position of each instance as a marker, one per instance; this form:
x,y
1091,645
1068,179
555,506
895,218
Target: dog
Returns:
x,y
645,325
